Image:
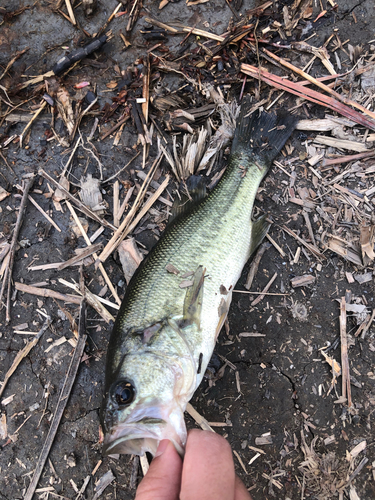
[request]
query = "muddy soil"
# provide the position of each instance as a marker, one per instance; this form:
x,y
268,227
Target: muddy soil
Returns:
x,y
282,381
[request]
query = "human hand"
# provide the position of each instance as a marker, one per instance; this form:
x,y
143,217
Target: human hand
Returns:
x,y
207,471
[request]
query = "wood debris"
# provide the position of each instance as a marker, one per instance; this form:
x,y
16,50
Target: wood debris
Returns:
x,y
304,280
103,483
130,257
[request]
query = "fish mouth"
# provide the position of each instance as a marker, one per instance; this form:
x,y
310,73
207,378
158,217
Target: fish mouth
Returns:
x,y
143,436
137,440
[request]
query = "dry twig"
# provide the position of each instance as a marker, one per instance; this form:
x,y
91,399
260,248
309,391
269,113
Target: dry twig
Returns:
x,y
23,353
8,271
255,264
346,389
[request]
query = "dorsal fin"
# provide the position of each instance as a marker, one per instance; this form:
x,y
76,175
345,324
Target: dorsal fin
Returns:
x,y
196,187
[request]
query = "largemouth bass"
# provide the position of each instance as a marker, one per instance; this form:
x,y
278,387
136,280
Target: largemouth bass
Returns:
x,y
176,303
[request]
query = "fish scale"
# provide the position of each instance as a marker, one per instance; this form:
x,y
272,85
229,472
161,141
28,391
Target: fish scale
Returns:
x,y
164,335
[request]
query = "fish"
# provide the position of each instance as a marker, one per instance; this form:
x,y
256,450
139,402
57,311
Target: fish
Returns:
x,y
178,299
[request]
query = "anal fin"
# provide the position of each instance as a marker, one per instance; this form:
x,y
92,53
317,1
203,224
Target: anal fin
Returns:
x,y
223,312
259,230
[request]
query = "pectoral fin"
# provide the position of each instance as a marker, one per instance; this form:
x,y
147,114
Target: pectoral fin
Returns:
x,y
259,230
193,300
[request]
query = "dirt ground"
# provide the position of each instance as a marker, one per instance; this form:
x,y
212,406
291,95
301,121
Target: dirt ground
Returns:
x,y
275,386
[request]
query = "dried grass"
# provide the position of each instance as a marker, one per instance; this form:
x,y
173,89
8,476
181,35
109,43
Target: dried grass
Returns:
x,y
325,474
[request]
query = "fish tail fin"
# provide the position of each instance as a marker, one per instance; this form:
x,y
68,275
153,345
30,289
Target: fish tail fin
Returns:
x,y
262,134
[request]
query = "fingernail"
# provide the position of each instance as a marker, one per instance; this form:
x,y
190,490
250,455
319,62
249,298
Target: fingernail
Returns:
x,y
163,445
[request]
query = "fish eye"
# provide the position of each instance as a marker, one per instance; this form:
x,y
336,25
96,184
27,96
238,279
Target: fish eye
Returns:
x,y
124,393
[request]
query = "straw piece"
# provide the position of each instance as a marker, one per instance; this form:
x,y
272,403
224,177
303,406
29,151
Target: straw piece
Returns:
x,y
201,421
346,389
46,292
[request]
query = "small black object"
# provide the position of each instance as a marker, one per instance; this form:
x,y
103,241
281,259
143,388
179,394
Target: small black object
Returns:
x,y
200,362
78,54
90,97
123,83
151,33
49,99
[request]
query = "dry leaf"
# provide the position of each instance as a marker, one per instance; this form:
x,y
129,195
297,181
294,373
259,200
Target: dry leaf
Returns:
x,y
58,194
91,195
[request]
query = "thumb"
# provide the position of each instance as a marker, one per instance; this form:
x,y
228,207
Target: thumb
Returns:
x,y
163,479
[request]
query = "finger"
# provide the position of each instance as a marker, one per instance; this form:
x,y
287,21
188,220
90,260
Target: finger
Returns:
x,y
163,479
208,470
240,491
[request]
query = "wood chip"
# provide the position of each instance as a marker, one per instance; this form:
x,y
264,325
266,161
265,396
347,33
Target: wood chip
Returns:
x,y
349,277
263,440
255,264
3,427
258,450
85,252
278,248
360,147
363,278
56,343
257,455
102,484
186,284
172,269
306,279
357,449
3,193
329,440
251,334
